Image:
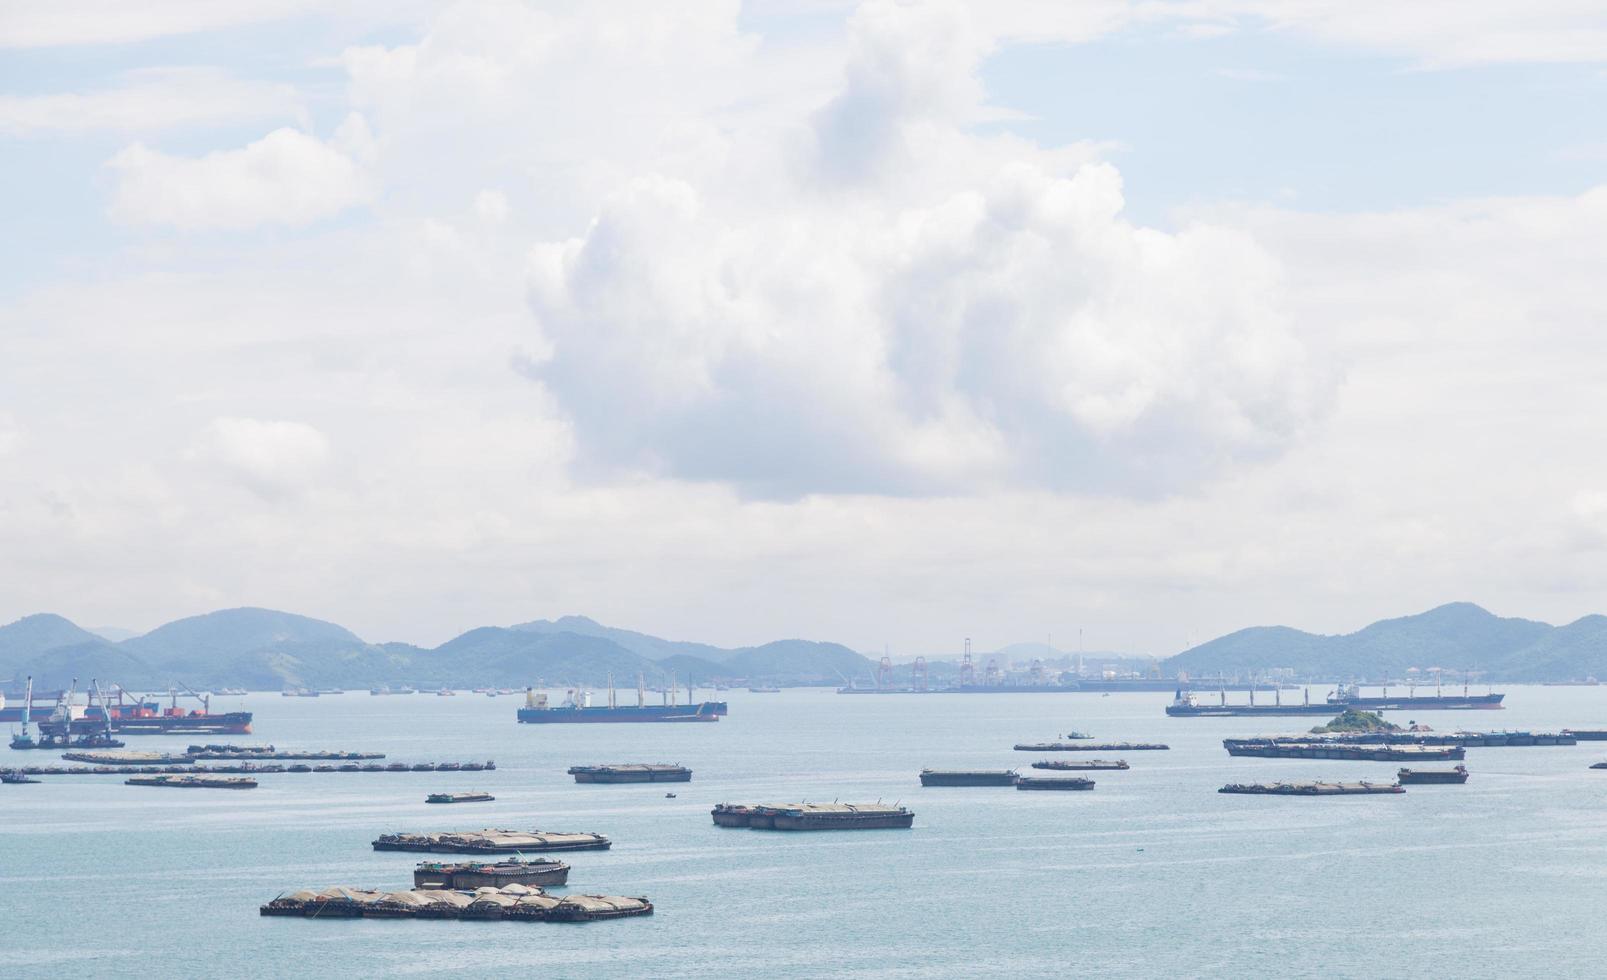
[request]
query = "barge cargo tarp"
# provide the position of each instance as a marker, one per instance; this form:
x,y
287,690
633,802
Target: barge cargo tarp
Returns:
x,y
492,841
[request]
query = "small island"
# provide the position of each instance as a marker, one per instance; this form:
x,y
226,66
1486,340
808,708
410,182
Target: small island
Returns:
x,y
1356,721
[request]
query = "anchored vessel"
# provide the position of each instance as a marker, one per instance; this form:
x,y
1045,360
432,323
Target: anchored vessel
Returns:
x,y
1412,776
631,773
577,707
1079,765
194,781
479,874
1587,734
1186,704
1107,747
459,798
513,902
492,842
1054,782
968,777
813,816
1312,789
12,776
1267,748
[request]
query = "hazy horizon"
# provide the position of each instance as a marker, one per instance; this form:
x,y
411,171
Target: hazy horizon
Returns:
x,y
877,323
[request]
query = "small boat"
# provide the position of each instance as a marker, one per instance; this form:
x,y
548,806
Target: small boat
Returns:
x,y
17,777
459,798
446,692
669,796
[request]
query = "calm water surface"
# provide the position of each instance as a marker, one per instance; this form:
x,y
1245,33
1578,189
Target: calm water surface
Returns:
x,y
1151,873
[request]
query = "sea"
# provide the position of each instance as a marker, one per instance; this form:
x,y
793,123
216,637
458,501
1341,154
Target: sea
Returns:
x,y
1153,873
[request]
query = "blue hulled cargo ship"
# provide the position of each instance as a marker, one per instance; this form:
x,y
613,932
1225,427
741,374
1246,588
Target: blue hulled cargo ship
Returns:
x,y
577,708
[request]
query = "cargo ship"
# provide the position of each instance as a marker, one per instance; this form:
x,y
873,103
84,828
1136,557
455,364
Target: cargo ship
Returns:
x,y
470,875
140,716
1348,697
578,709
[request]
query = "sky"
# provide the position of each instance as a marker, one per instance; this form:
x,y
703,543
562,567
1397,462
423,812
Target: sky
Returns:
x,y
884,323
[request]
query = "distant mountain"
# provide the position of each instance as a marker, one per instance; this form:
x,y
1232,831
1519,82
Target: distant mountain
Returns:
x,y
798,661
1455,637
31,636
267,649
231,632
641,644
113,634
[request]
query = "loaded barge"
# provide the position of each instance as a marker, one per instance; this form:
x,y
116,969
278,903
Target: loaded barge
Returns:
x,y
514,903
1268,748
1311,789
1079,765
1054,782
492,842
1107,747
194,782
631,773
813,816
968,777
1425,776
478,874
459,798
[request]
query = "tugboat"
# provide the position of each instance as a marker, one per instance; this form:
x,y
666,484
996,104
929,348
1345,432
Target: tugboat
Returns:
x,y
459,798
16,776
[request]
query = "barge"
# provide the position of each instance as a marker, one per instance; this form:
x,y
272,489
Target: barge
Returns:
x,y
1413,777
631,773
1054,782
813,816
492,842
1079,765
1106,747
225,752
478,874
514,903
968,777
191,781
1587,734
1265,748
1312,789
459,798
127,758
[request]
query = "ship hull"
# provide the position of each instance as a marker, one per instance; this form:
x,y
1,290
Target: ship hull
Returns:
x,y
707,711
224,723
1476,702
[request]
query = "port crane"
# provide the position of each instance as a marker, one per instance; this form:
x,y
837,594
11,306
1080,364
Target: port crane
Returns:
x,y
25,740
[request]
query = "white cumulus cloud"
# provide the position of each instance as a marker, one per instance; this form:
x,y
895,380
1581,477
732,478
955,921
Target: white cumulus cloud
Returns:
x,y
269,456
901,305
150,99
288,177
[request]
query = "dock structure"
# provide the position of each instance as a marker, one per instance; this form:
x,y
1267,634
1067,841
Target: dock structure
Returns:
x,y
634,772
1312,789
968,777
813,816
514,903
1091,747
493,842
1080,765
1268,748
469,875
